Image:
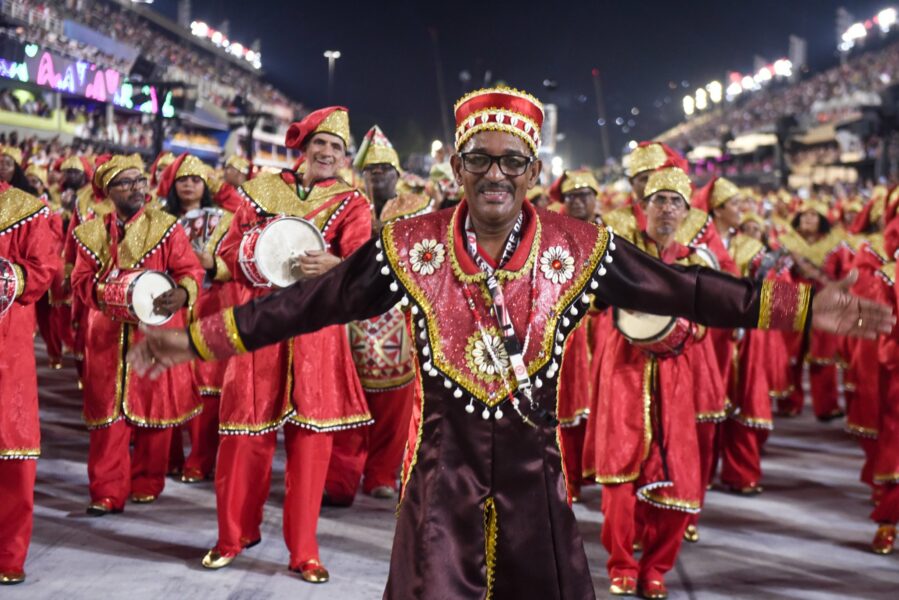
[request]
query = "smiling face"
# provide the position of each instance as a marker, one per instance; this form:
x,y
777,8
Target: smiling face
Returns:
x,y
495,198
325,154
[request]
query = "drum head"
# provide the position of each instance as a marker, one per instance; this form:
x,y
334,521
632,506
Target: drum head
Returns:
x,y
281,241
642,327
147,287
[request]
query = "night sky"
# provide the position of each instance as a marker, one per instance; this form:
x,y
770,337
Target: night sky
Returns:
x,y
386,73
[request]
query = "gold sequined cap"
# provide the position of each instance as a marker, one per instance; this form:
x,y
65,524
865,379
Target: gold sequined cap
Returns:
x,y
39,172
12,152
191,165
239,163
814,205
337,123
750,216
645,158
671,179
576,180
72,162
534,192
111,169
722,191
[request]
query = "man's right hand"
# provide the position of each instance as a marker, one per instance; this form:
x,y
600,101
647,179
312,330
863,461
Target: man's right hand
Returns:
x,y
159,350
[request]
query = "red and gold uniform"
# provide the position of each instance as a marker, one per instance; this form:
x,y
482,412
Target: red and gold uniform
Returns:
x,y
308,383
827,254
28,243
119,404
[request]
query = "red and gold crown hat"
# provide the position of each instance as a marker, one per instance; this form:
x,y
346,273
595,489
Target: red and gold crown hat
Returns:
x,y
669,179
333,119
715,193
110,166
239,163
499,109
571,181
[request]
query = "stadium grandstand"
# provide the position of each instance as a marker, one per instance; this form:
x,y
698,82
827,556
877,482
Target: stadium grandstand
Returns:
x,y
114,75
784,124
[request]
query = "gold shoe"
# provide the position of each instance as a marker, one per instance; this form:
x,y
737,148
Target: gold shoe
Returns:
x,y
884,539
216,560
102,507
313,571
143,498
623,586
56,365
192,476
638,546
691,534
11,577
653,590
383,492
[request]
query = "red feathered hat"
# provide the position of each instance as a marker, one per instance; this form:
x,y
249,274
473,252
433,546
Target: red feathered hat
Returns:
x,y
333,119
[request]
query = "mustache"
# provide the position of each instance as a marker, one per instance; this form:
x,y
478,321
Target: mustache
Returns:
x,y
489,186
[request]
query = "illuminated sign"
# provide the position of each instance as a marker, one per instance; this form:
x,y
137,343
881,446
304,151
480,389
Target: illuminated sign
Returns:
x,y
78,78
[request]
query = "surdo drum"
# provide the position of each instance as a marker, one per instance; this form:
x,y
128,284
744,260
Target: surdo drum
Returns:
x,y
9,281
662,337
267,251
128,295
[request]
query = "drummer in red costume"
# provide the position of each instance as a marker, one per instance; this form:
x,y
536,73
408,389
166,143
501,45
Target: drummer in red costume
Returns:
x,y
27,267
186,186
308,384
118,404
382,351
237,171
576,192
665,473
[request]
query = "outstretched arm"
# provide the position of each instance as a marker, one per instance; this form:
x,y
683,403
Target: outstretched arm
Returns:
x,y
353,290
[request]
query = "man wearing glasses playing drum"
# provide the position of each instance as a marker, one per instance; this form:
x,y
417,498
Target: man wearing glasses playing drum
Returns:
x,y
495,286
134,265
291,226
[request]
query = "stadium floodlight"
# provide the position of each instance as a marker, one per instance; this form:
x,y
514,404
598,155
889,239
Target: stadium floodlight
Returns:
x,y
702,99
716,91
856,31
783,68
199,29
886,19
763,75
632,145
734,89
689,105
558,166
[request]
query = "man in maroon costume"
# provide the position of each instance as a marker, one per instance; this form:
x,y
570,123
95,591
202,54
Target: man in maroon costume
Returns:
x,y
495,287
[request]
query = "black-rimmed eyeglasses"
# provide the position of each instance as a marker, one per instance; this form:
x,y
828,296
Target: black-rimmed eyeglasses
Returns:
x,y
511,165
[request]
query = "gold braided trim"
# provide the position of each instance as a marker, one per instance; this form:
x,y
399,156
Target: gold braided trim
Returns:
x,y
867,432
533,143
649,379
711,417
255,429
222,272
199,342
23,453
20,279
887,478
233,333
370,384
331,424
271,195
491,532
805,296
754,422
119,391
616,479
163,423
190,286
579,416
767,296
508,91
688,506
407,473
206,390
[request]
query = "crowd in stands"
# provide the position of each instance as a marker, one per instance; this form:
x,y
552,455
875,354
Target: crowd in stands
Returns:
x,y
829,95
218,79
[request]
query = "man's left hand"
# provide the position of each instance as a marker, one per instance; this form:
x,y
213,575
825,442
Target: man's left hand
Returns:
x,y
837,311
170,302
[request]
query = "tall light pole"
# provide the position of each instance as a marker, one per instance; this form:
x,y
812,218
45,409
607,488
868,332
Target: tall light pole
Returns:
x,y
332,56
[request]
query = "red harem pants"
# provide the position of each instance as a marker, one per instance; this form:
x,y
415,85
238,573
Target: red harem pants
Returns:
x,y
375,451
708,438
572,439
663,532
16,511
741,454
887,511
242,479
114,471
204,438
